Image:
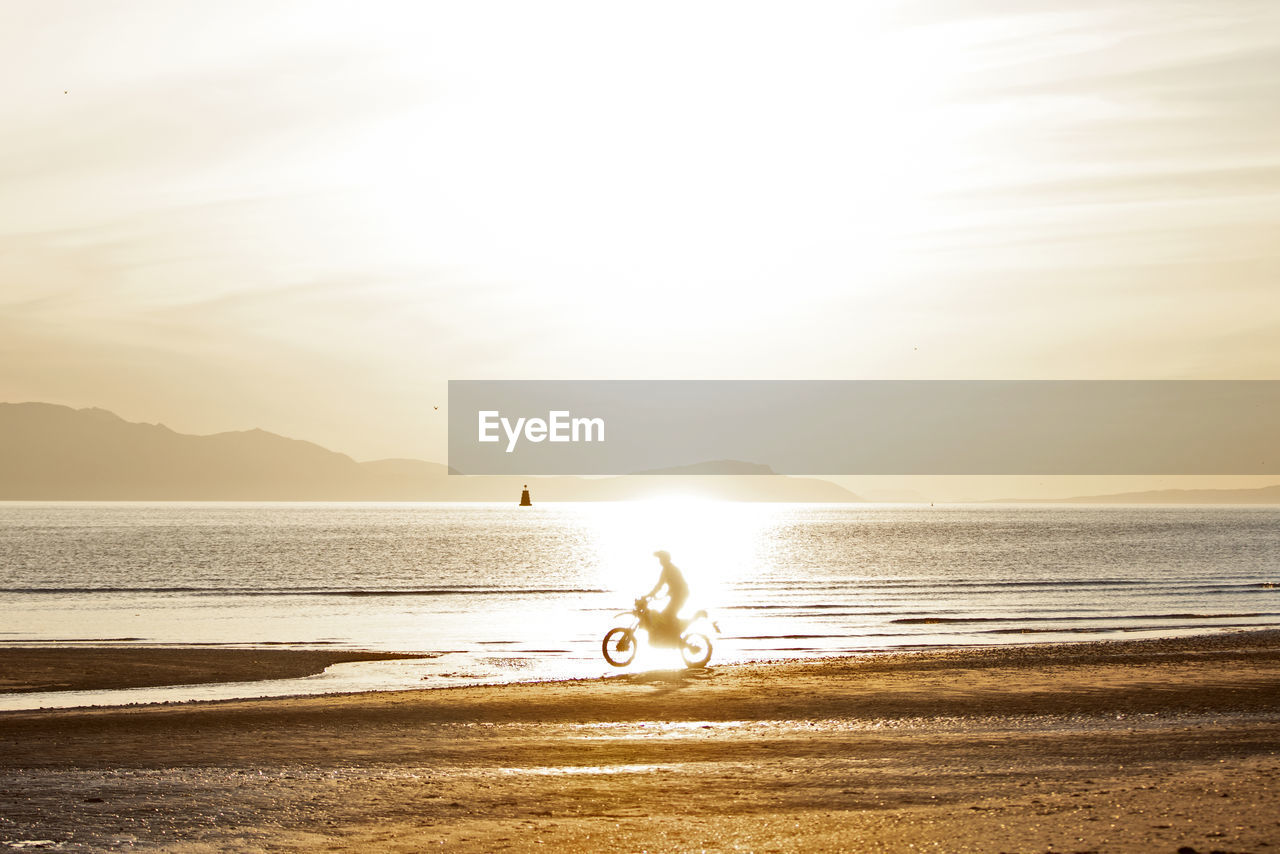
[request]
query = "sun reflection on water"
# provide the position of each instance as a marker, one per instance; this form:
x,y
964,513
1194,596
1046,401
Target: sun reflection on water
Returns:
x,y
715,543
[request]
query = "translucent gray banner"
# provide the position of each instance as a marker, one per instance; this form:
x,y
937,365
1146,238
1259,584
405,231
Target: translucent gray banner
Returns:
x,y
908,427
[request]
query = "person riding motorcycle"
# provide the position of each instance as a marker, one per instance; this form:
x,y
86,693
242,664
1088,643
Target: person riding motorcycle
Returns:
x,y
677,591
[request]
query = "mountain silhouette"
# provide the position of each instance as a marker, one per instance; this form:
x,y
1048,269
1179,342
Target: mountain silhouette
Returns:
x,y
52,452
1258,495
735,467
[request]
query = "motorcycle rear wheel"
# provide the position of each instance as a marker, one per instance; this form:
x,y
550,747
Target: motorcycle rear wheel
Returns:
x,y
619,647
695,649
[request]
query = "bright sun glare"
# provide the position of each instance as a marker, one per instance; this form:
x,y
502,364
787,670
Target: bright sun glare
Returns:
x,y
715,544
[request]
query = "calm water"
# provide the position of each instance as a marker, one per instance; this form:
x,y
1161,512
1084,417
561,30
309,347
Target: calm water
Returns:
x,y
491,592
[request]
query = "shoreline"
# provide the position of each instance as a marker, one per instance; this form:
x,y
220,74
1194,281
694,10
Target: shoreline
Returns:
x,y
1110,746
50,670
1260,648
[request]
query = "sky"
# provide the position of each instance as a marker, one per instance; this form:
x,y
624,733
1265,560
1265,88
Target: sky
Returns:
x,y
308,217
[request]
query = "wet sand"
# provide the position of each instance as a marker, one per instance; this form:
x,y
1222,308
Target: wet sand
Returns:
x,y
97,668
1134,746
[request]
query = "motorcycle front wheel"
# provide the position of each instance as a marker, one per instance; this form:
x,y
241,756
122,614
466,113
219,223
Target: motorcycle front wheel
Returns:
x,y
695,649
619,647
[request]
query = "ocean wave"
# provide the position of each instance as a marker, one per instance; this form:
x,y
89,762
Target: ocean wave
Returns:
x,y
1189,583
914,621
1032,630
306,591
917,583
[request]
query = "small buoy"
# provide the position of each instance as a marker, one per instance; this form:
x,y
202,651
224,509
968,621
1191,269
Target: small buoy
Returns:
x,y
524,497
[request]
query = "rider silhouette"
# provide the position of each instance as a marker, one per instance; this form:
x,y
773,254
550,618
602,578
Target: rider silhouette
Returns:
x,y
677,590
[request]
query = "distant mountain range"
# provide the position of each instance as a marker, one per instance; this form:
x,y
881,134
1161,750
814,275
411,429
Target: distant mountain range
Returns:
x,y
50,452
1261,495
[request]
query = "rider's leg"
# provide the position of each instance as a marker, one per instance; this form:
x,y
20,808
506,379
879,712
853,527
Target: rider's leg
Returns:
x,y
672,611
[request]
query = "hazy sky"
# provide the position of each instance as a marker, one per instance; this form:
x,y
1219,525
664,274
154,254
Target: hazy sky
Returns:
x,y
307,217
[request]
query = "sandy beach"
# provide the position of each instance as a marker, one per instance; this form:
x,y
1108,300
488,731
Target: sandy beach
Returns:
x,y
1129,746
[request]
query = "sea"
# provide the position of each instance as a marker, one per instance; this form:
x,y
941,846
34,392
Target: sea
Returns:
x,y
489,593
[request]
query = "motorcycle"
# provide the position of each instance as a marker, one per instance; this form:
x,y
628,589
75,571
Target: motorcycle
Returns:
x,y
620,642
